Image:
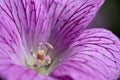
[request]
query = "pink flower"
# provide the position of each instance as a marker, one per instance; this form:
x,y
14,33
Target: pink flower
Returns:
x,y
47,40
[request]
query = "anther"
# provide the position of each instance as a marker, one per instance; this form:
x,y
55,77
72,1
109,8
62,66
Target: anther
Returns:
x,y
32,53
48,59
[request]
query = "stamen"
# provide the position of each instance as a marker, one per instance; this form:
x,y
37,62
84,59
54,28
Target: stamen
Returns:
x,y
40,56
49,45
48,59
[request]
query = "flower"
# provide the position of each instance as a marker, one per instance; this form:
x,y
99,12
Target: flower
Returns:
x,y
47,40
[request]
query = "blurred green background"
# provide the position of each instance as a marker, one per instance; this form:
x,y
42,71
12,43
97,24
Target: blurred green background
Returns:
x,y
109,16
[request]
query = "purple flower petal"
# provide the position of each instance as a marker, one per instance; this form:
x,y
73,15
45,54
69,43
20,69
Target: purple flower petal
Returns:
x,y
10,42
28,16
14,72
68,18
13,53
95,55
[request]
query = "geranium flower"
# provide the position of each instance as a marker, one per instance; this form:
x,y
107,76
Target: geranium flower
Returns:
x,y
47,40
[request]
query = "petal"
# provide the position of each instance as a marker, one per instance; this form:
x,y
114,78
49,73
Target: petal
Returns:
x,y
10,42
16,30
95,55
14,72
12,49
12,54
68,18
29,18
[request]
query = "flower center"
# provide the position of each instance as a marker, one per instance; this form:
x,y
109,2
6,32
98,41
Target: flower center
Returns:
x,y
40,60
